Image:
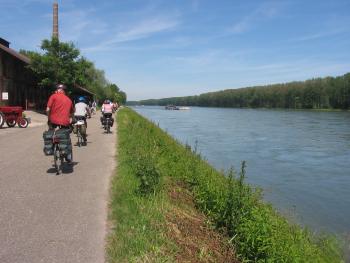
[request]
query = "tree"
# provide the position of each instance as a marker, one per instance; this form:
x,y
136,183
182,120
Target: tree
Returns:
x,y
317,93
57,64
61,63
116,94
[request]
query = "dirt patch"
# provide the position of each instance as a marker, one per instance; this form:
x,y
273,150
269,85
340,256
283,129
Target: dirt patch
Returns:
x,y
196,240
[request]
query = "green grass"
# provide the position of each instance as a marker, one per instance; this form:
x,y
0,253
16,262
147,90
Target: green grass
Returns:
x,y
148,157
137,233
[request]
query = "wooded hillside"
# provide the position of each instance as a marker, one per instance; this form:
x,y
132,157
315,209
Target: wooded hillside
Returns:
x,y
319,93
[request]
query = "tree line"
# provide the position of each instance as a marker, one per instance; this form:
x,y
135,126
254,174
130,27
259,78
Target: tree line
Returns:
x,y
62,62
318,93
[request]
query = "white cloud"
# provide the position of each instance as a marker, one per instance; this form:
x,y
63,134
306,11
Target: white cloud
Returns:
x,y
77,23
263,12
143,29
205,59
319,35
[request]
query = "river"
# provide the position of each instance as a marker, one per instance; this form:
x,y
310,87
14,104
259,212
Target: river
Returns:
x,y
301,159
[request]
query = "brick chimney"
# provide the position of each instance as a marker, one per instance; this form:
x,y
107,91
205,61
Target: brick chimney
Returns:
x,y
55,20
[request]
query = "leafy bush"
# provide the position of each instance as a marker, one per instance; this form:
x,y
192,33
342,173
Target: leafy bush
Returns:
x,y
148,174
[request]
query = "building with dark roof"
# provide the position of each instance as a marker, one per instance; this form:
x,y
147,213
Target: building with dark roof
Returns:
x,y
18,86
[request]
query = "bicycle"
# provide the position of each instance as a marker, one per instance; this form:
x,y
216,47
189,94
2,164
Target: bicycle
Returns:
x,y
78,126
108,122
108,126
93,110
59,154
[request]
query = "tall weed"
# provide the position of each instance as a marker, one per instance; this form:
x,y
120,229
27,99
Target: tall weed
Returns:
x,y
148,174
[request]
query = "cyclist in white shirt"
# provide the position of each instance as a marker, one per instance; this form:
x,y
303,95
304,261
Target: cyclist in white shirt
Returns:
x,y
81,111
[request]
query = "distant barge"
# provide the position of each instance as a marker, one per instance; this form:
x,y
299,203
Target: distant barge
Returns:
x,y
173,107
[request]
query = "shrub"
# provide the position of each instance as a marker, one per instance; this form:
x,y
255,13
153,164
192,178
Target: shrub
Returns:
x,y
148,175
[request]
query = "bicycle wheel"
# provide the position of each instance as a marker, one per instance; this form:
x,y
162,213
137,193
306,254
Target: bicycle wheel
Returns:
x,y
56,157
2,119
61,162
79,136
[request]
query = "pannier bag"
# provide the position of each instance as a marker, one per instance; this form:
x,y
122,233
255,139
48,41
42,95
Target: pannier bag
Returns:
x,y
48,146
82,129
111,121
104,119
65,142
79,121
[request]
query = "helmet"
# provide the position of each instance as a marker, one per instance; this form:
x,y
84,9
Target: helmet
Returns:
x,y
60,86
106,102
81,99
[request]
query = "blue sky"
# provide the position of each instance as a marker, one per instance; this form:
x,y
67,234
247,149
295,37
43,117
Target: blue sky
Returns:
x,y
156,49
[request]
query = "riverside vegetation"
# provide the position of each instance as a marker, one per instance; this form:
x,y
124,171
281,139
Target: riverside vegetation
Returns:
x,y
319,93
151,163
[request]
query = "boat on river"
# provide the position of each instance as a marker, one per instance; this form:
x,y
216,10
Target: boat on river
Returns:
x,y
184,108
173,107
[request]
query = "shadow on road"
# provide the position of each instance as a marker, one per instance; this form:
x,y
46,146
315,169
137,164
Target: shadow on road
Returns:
x,y
107,133
67,168
82,145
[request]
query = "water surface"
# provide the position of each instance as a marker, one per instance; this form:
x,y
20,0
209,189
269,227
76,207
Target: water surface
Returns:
x,y
300,158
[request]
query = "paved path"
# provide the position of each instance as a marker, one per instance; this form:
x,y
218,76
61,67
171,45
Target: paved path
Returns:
x,y
49,218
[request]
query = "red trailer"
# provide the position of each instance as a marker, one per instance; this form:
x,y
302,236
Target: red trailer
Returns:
x,y
12,115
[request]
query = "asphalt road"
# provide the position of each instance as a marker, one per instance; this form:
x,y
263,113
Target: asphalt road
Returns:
x,y
46,217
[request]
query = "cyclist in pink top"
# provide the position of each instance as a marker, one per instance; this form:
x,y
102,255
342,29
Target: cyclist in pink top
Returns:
x,y
107,107
107,111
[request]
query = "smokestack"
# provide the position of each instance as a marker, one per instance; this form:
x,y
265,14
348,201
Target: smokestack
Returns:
x,y
55,20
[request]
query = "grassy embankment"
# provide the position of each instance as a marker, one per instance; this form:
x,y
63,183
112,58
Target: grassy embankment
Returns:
x,y
151,208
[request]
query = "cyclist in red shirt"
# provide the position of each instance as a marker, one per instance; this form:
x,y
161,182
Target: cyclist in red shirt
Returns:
x,y
59,108
59,111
